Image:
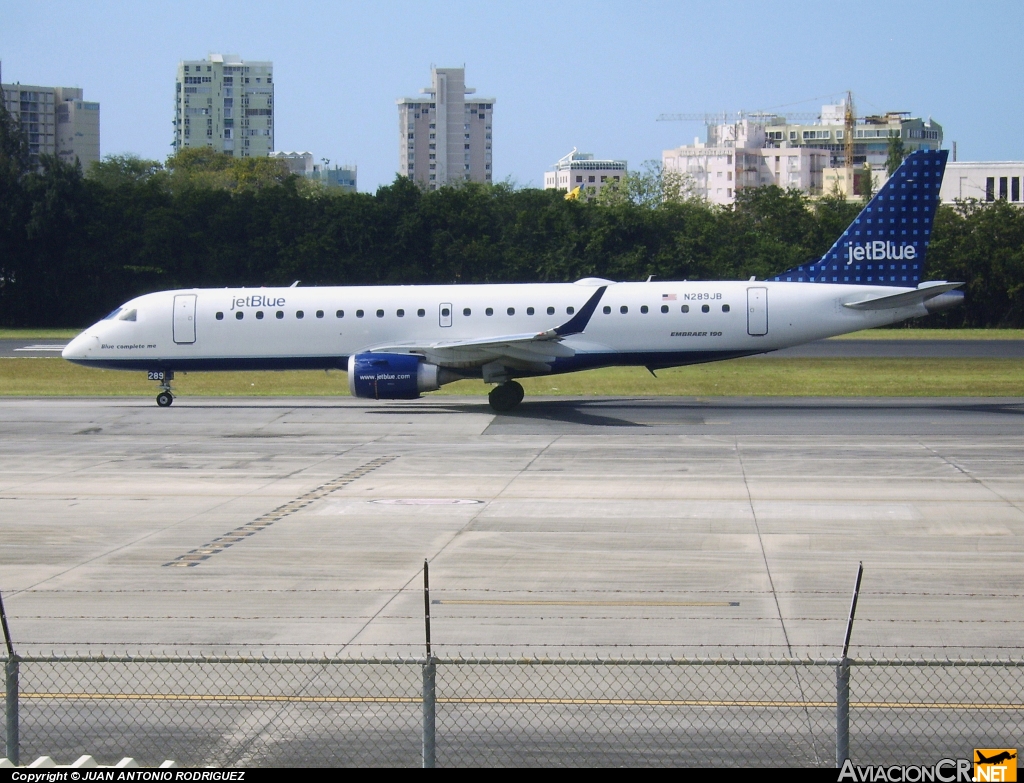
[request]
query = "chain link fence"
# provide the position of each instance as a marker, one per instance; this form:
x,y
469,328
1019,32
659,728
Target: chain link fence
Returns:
x,y
251,711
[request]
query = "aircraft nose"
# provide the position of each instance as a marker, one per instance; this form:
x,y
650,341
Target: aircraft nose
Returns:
x,y
79,348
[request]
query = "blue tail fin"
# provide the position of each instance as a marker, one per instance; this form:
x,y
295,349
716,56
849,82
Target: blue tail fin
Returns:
x,y
887,243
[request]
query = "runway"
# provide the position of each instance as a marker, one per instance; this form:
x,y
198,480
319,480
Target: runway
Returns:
x,y
646,526
927,349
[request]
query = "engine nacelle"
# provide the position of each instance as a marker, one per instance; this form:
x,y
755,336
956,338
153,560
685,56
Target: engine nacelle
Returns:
x,y
391,376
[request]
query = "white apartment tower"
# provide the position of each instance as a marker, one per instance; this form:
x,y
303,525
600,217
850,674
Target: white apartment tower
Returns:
x,y
56,121
225,103
443,139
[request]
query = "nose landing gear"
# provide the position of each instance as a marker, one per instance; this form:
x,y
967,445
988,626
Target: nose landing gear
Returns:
x,y
165,397
505,397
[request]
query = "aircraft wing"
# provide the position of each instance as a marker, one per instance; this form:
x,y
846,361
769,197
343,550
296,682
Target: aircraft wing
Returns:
x,y
919,295
531,351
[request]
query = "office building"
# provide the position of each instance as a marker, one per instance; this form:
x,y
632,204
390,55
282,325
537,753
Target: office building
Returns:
x,y
443,138
225,103
738,159
582,170
871,135
983,181
56,121
302,164
763,149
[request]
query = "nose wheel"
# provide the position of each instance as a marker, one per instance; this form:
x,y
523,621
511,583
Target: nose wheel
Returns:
x,y
505,397
165,397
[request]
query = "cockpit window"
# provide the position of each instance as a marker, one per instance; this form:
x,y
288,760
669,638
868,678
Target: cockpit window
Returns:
x,y
131,315
111,315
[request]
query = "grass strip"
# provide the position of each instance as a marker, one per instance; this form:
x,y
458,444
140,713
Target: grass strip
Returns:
x,y
934,334
827,377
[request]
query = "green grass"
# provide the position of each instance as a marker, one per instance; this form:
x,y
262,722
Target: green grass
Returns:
x,y
738,377
934,334
38,334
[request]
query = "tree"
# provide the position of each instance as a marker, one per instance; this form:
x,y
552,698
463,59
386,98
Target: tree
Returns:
x,y
897,152
652,186
116,170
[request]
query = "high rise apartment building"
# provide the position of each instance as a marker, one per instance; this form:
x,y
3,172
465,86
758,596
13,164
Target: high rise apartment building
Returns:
x,y
56,121
443,138
225,103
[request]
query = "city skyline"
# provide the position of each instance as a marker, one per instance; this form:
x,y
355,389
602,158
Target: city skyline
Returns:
x,y
598,87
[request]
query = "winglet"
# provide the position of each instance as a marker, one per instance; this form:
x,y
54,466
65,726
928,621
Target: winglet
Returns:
x,y
578,322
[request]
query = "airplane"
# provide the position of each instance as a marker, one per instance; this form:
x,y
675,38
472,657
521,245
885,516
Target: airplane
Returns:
x,y
397,342
1004,756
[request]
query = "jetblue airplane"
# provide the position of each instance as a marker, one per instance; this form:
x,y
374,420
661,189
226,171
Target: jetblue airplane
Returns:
x,y
397,342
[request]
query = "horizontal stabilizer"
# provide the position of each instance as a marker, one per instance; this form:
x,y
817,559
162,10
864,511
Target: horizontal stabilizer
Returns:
x,y
904,299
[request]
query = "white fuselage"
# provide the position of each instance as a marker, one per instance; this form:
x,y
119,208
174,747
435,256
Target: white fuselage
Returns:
x,y
654,323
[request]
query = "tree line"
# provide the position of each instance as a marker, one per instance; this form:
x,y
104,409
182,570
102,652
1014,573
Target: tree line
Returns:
x,y
74,245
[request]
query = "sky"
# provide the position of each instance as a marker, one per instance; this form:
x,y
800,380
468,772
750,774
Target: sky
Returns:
x,y
591,75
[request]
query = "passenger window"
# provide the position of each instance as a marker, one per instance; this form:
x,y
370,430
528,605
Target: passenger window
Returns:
x,y
664,308
129,316
279,314
725,308
466,311
705,309
359,313
421,312
623,309
340,314
684,309
551,311
511,311
529,311
259,315
643,309
570,310
607,310
445,312
239,315
400,313
299,314
220,316
319,313
380,313
489,311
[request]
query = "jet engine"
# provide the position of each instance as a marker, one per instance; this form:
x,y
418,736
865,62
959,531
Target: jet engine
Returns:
x,y
393,376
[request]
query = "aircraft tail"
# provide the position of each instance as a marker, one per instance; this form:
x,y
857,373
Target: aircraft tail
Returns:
x,y
888,241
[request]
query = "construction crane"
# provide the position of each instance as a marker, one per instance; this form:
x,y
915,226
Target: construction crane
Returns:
x,y
849,120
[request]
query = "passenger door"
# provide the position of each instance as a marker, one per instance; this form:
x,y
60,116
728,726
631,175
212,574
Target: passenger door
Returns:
x,y
185,319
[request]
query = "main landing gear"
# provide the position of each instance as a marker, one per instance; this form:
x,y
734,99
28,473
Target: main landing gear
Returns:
x,y
165,397
505,397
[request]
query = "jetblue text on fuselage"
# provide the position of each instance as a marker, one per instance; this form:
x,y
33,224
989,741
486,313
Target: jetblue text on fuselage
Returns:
x,y
258,300
880,251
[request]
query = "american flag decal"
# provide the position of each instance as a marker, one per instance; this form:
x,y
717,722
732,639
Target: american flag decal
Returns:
x,y
668,297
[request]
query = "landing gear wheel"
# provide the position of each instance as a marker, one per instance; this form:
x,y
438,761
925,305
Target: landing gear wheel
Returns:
x,y
164,399
505,397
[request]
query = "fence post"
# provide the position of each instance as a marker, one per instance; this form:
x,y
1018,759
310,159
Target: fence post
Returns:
x,y
842,712
429,680
11,687
843,681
